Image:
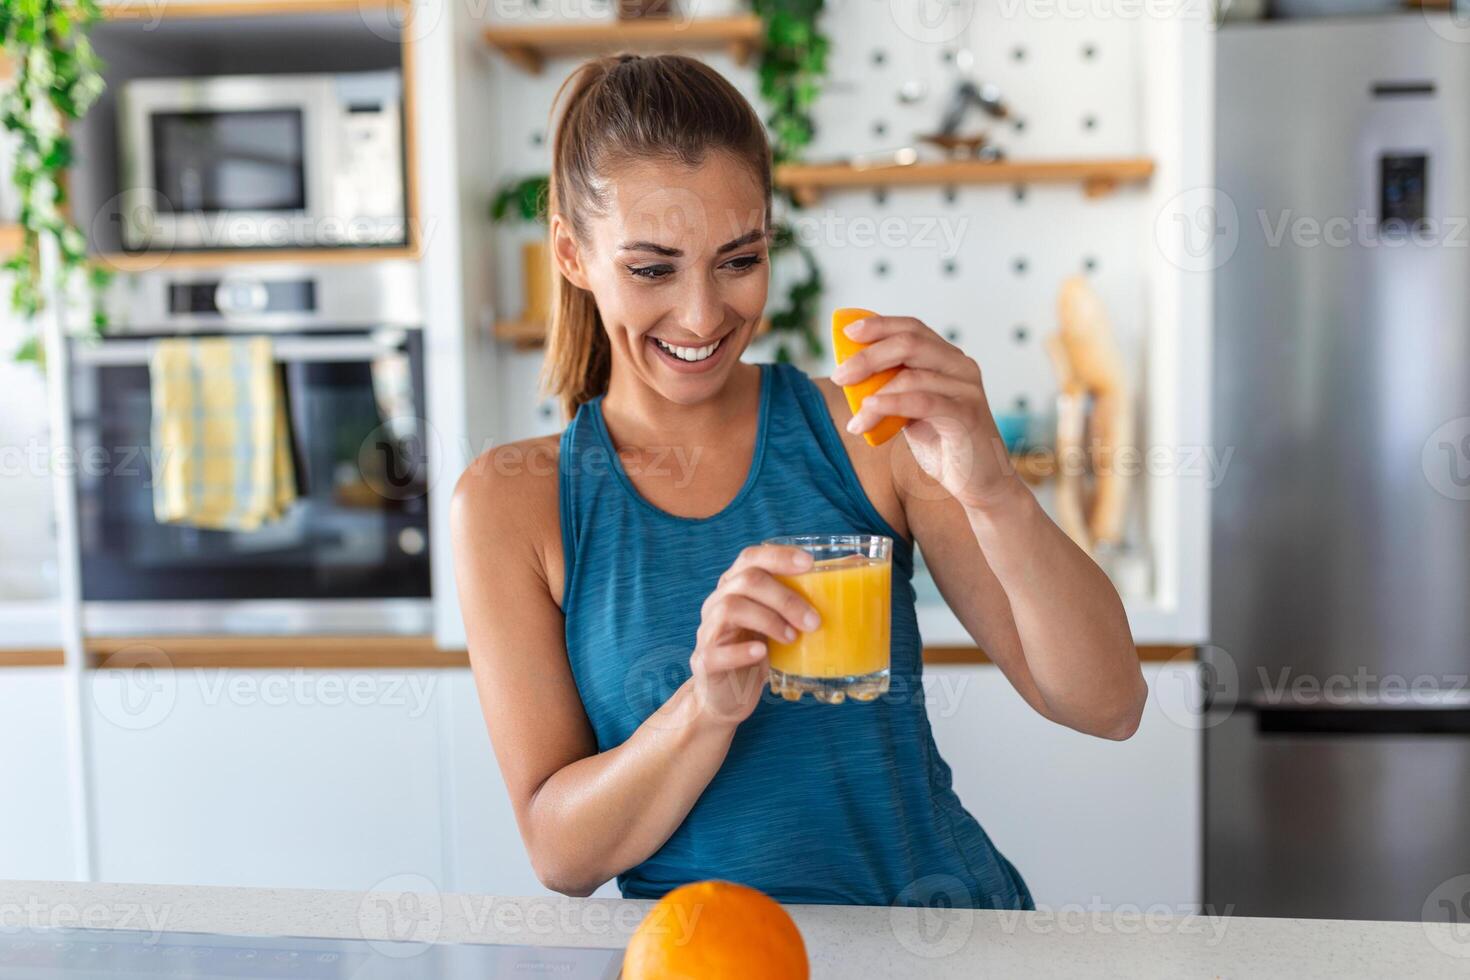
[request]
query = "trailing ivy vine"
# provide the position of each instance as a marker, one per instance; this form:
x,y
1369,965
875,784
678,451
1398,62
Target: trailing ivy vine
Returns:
x,y
793,63
56,79
523,200
800,315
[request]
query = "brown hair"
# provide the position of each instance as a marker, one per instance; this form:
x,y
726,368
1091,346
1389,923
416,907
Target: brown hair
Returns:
x,y
618,108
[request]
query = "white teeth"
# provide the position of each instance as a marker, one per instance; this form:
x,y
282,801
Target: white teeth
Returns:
x,y
689,353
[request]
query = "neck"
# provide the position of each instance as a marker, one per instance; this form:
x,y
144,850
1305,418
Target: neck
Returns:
x,y
643,417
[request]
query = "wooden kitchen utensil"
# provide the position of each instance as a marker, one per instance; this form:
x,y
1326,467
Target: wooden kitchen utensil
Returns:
x,y
1085,355
536,282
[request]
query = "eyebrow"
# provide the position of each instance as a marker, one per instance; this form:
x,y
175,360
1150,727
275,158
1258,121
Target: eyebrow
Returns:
x,y
750,237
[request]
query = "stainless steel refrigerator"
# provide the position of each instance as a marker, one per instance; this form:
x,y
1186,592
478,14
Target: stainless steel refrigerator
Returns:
x,y
1337,748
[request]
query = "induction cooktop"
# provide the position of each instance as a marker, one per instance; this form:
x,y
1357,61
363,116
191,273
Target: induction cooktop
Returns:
x,y
99,954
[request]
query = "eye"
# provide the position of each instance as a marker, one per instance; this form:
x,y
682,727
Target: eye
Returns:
x,y
650,271
743,262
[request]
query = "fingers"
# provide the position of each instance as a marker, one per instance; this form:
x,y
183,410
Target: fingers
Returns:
x,y
732,611
760,585
774,558
909,405
726,657
901,342
750,598
922,379
917,394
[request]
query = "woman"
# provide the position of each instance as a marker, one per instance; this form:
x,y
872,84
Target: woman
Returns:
x,y
616,596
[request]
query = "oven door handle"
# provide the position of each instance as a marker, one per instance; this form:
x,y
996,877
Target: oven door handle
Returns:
x,y
283,349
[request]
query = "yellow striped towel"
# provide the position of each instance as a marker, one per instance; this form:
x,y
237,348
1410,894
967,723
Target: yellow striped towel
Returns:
x,y
220,437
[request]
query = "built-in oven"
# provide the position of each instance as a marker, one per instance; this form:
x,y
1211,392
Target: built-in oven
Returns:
x,y
262,161
351,552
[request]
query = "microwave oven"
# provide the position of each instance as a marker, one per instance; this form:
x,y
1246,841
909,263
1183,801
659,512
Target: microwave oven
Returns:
x,y
262,161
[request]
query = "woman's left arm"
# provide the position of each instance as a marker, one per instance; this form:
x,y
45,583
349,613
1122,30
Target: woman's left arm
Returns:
x,y
1042,610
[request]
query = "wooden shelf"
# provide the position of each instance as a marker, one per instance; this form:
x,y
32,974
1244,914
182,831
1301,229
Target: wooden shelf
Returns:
x,y
807,181
326,652
147,261
43,657
522,333
951,655
529,46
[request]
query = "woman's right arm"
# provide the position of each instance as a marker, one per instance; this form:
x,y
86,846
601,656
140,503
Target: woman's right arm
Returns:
x,y
587,816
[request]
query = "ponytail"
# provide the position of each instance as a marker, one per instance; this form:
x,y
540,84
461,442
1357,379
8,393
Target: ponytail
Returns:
x,y
578,356
616,108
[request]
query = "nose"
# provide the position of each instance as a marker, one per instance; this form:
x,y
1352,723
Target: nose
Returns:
x,y
703,309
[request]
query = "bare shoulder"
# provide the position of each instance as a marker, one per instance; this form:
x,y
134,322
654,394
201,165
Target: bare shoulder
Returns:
x,y
506,503
874,464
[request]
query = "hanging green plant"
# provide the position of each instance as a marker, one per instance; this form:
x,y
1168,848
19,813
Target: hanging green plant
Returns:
x,y
800,315
521,200
793,63
57,79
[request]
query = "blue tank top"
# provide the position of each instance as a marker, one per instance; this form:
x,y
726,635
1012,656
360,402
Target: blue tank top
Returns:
x,y
815,803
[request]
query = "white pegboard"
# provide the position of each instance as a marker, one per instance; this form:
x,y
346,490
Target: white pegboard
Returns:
x,y
1056,73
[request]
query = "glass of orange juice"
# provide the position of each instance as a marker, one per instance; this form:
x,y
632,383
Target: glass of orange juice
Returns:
x,y
850,584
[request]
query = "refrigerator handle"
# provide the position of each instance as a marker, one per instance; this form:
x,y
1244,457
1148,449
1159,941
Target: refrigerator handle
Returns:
x,y
1395,700
1422,713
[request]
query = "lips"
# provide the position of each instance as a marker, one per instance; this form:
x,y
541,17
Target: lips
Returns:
x,y
688,359
691,354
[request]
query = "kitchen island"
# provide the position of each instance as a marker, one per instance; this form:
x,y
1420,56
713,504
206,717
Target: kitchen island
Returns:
x,y
843,942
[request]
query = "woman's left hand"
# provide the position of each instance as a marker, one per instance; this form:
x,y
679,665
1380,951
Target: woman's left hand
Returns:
x,y
952,433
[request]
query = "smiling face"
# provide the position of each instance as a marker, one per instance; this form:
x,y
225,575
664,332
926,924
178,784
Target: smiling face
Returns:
x,y
677,263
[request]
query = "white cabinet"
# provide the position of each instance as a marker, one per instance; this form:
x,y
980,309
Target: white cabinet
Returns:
x,y
35,819
340,779
292,778
1085,820
488,855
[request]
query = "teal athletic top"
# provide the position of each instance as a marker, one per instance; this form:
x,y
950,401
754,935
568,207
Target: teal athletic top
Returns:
x,y
845,804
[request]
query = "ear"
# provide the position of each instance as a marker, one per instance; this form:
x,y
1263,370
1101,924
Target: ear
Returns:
x,y
567,253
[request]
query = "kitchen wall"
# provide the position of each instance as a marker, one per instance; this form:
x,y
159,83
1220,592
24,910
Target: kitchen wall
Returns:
x,y
28,558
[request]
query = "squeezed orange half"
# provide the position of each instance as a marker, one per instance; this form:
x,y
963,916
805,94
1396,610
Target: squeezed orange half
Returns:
x,y
844,347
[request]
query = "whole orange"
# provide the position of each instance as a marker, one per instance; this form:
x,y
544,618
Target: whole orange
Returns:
x,y
716,930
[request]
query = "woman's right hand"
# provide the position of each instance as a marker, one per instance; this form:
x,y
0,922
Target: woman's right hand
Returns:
x,y
747,607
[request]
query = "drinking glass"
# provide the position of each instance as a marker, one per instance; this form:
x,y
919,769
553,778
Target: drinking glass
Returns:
x,y
847,655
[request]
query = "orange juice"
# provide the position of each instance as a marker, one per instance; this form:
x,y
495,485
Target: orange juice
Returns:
x,y
851,594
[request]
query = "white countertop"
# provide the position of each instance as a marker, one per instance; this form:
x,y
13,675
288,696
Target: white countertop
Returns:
x,y
843,941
